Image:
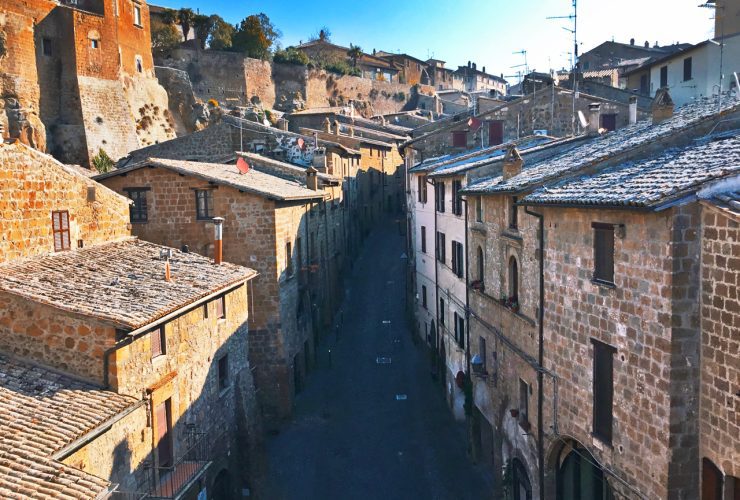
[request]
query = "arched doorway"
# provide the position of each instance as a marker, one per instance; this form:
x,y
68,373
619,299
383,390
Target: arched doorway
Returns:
x,y
222,488
579,476
522,488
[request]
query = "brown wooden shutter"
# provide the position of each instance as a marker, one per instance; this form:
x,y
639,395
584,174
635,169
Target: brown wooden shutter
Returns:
x,y
495,133
156,339
60,230
164,439
603,252
603,390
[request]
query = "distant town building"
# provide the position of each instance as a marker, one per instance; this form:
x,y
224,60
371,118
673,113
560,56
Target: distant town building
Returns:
x,y
475,79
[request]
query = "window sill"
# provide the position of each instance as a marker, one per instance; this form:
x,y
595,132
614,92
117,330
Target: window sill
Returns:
x,y
512,236
138,26
139,221
603,284
204,219
601,442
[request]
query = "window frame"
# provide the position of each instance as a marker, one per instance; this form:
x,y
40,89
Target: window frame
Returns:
x,y
459,330
62,231
663,76
456,199
441,247
441,311
158,338
224,381
289,268
46,47
439,197
482,352
140,193
479,209
603,271
209,213
138,19
423,239
688,69
458,259
221,307
602,410
423,195
523,404
513,214
513,271
424,303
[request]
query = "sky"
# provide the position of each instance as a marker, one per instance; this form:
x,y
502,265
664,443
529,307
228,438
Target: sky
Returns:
x,y
487,32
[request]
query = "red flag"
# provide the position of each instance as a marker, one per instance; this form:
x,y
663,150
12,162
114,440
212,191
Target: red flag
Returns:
x,y
474,123
242,165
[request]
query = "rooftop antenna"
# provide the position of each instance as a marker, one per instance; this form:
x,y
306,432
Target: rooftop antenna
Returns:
x,y
525,65
574,57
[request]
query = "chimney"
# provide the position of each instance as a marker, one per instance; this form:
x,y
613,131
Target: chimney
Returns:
x,y
336,127
647,44
512,163
474,66
351,131
282,124
484,69
594,118
662,107
632,41
327,125
312,179
218,247
165,254
167,276
633,109
470,65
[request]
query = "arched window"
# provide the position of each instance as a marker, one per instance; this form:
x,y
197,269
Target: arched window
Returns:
x,y
481,267
579,475
513,279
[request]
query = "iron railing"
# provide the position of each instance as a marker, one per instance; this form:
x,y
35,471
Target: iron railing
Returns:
x,y
169,482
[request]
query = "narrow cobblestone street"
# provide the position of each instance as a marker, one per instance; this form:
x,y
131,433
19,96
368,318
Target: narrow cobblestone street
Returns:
x,y
353,434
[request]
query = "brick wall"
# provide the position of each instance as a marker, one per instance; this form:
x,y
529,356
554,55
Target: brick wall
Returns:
x,y
33,185
720,321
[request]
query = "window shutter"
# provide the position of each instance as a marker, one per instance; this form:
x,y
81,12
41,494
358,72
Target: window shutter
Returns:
x,y
603,390
156,339
604,252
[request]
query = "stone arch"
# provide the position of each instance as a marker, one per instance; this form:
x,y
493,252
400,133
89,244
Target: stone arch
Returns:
x,y
513,278
223,488
568,461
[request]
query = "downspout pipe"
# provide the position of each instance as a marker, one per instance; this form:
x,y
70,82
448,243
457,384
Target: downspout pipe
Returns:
x,y
437,252
541,351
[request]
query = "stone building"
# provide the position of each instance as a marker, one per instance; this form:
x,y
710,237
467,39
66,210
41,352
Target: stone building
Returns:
x,y
548,112
133,356
285,221
584,324
475,80
718,434
370,66
78,77
411,70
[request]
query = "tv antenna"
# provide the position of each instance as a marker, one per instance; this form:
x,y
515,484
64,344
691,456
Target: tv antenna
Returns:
x,y
574,57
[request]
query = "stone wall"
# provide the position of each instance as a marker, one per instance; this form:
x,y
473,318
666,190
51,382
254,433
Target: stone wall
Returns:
x,y
232,79
33,185
720,320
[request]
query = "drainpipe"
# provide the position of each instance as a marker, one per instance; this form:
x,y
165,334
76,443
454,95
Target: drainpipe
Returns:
x,y
540,353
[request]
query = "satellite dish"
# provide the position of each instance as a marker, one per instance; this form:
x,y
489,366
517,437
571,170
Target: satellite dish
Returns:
x,y
582,119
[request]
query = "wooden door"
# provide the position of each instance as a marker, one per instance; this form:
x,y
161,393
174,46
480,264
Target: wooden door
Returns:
x,y
495,133
711,481
162,415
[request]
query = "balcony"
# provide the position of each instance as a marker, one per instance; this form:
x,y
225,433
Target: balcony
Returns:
x,y
173,482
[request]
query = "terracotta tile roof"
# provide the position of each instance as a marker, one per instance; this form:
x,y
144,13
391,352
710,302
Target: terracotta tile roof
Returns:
x,y
120,282
648,183
254,181
41,412
599,149
727,201
281,169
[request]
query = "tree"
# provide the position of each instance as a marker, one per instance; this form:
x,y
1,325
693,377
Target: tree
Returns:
x,y
354,53
169,16
324,34
203,26
165,37
185,17
221,34
254,36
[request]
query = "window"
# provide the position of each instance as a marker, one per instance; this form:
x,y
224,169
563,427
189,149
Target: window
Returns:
x,y
523,403
138,211
299,251
163,420
159,343
479,209
204,204
482,352
424,239
513,213
289,258
603,252
609,121
424,296
137,15
644,84
441,311
46,46
664,76
139,65
60,228
458,266
441,247
459,139
223,372
456,199
481,265
513,280
460,330
422,188
94,43
687,69
495,132
603,390
221,307
439,196
205,311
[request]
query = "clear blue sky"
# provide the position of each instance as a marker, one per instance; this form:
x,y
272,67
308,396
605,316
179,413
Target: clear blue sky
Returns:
x,y
484,31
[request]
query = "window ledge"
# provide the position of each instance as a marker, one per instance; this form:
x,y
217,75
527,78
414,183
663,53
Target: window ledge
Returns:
x,y
512,236
603,284
600,442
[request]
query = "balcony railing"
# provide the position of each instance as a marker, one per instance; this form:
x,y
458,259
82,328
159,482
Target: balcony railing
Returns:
x,y
170,482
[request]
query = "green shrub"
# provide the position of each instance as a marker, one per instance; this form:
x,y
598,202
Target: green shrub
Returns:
x,y
102,162
341,68
291,56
